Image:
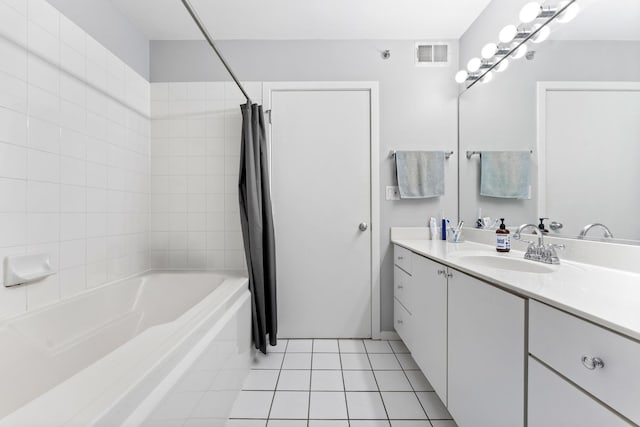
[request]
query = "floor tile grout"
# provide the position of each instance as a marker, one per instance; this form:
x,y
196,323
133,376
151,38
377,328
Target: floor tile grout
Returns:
x,y
287,350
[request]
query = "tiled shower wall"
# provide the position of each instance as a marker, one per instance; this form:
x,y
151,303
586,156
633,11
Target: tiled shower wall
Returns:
x,y
195,149
74,155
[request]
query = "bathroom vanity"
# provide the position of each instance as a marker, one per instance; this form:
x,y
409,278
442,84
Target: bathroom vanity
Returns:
x,y
509,342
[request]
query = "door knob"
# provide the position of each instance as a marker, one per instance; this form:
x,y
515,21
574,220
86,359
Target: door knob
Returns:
x,y
363,226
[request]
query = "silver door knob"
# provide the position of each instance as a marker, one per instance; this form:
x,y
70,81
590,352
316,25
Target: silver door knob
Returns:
x,y
363,226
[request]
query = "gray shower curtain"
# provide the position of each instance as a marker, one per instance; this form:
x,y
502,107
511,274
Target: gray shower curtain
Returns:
x,y
257,226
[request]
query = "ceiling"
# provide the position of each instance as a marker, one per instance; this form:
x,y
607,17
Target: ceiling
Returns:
x,y
304,19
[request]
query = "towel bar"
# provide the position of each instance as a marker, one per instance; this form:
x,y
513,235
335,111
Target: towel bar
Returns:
x,y
473,153
447,154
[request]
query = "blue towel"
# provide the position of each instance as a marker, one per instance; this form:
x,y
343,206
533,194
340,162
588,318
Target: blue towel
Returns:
x,y
420,174
505,174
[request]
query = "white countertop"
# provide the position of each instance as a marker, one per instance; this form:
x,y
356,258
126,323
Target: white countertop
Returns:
x,y
605,296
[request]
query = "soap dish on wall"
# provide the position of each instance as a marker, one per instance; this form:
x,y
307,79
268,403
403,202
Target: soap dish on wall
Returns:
x,y
23,269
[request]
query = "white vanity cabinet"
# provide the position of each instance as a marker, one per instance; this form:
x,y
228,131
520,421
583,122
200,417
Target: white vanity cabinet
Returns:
x,y
554,402
486,381
601,362
467,337
420,293
430,317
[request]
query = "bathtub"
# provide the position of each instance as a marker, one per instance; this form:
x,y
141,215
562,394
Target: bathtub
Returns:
x,y
110,356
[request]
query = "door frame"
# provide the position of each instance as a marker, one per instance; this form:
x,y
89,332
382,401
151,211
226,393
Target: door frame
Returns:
x,y
374,168
544,87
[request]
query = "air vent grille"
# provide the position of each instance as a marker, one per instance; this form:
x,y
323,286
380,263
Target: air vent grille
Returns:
x,y
432,54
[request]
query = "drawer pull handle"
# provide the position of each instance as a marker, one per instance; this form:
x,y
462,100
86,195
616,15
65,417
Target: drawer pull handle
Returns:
x,y
449,275
592,363
441,272
400,287
400,258
400,322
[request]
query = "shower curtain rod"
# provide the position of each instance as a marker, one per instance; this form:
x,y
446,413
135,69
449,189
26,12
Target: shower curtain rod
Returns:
x,y
207,36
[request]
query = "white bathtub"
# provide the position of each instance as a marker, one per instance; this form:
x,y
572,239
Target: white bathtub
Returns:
x,y
109,356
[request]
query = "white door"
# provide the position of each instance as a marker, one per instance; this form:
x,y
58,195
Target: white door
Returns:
x,y
320,179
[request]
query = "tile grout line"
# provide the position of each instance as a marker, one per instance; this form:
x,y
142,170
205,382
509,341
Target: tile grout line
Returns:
x,y
415,393
273,398
310,380
376,380
344,386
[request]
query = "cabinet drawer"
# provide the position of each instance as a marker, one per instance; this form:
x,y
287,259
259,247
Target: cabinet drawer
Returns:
x,y
562,340
402,287
554,402
402,321
402,258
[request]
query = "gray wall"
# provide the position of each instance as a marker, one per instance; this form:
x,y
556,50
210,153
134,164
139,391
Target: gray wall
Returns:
x,y
502,114
418,107
105,23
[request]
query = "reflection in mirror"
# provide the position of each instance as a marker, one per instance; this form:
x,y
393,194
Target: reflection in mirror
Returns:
x,y
574,100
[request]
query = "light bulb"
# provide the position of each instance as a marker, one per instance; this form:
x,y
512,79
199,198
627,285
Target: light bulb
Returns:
x,y
530,12
502,66
489,50
487,77
508,33
520,52
474,65
569,13
461,76
541,35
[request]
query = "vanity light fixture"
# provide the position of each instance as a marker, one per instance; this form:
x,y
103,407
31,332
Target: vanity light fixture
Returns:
x,y
513,40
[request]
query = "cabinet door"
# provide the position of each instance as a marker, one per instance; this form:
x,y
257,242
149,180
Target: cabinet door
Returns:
x,y
553,402
486,354
429,296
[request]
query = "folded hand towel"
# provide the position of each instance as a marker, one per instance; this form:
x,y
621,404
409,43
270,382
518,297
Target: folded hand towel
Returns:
x,y
420,174
505,174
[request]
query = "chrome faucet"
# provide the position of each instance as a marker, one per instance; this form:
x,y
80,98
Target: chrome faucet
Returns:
x,y
585,230
540,252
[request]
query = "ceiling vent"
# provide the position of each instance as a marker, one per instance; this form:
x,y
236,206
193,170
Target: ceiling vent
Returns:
x,y
431,54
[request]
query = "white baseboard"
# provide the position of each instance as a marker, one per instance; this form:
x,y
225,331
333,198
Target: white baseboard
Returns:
x,y
389,335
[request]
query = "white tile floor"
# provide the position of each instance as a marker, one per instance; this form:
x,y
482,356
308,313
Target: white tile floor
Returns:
x,y
337,383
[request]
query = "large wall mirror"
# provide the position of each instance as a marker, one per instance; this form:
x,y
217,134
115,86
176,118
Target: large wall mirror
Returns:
x,y
574,102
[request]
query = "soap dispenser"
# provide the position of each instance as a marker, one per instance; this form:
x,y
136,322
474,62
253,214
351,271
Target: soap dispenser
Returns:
x,y
541,226
503,240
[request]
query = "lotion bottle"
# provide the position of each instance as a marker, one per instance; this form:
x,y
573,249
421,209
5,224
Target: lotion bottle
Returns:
x,y
503,240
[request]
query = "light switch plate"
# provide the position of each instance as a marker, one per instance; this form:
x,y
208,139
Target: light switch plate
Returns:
x,y
393,193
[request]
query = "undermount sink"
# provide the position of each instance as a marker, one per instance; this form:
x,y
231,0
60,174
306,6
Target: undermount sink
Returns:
x,y
506,263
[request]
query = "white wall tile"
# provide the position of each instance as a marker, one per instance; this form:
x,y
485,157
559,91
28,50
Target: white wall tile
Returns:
x,y
13,161
73,198
43,14
13,93
43,197
14,58
13,229
44,135
72,171
56,131
43,228
72,144
43,74
14,197
43,43
43,166
43,105
72,281
13,24
72,35
13,127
